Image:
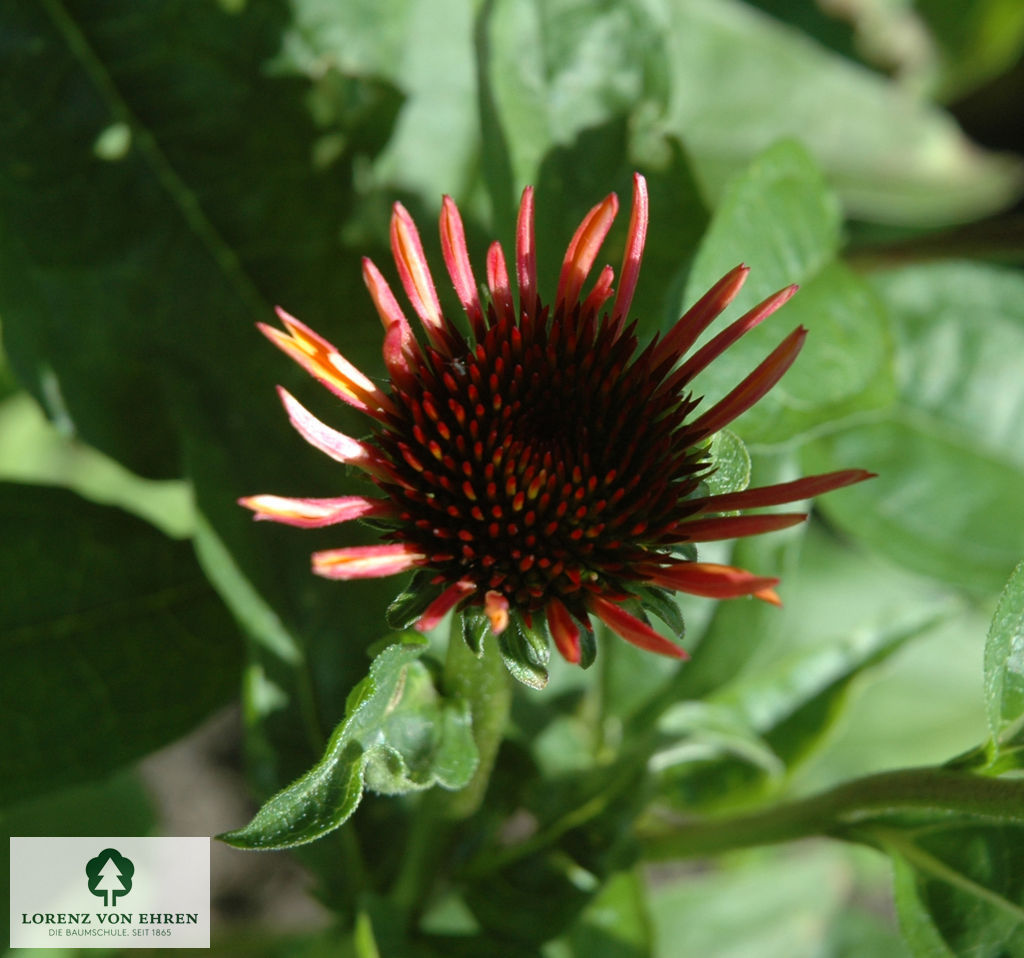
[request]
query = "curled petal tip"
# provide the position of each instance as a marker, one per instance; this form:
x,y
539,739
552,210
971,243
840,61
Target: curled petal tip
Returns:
x,y
496,609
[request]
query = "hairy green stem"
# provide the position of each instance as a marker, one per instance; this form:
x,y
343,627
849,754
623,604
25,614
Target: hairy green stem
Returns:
x,y
483,683
839,812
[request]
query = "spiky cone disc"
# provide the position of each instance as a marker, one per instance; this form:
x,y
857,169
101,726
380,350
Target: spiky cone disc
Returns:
x,y
546,468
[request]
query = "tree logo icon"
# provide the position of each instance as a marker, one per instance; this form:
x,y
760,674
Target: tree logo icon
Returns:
x,y
110,875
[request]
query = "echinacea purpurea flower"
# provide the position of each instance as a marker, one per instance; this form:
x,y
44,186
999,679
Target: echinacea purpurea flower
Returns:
x,y
544,467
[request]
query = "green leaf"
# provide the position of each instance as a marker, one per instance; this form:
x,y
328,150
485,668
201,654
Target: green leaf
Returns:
x,y
732,464
398,735
131,280
663,604
33,451
780,713
782,221
772,905
559,67
422,47
740,81
112,641
1004,660
615,924
949,453
707,730
601,159
958,886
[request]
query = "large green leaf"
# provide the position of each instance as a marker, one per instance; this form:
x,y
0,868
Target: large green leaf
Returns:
x,y
166,179
740,80
959,888
779,904
559,67
949,454
782,221
1004,660
113,642
424,48
398,735
777,715
615,924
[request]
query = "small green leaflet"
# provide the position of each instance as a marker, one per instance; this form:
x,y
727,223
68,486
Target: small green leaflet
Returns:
x,y
398,735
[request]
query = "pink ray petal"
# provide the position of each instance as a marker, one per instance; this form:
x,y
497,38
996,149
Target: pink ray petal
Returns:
x,y
366,562
564,631
314,513
783,492
715,347
400,348
322,361
600,293
699,316
456,258
735,527
753,388
633,255
526,255
497,280
414,271
441,606
632,629
709,579
337,445
583,250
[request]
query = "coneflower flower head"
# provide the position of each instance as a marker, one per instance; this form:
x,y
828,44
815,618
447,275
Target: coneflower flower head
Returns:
x,y
543,469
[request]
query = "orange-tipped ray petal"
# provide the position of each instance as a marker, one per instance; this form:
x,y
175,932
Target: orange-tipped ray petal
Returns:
x,y
314,513
337,445
414,271
366,562
583,250
456,258
709,579
526,255
633,255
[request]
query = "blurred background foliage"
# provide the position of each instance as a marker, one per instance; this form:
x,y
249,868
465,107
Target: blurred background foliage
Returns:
x,y
171,170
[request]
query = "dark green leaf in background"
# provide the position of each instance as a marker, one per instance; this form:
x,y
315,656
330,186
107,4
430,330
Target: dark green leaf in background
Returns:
x,y
113,642
161,186
975,41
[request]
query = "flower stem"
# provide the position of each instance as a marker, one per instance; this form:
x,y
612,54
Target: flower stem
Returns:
x,y
842,810
484,684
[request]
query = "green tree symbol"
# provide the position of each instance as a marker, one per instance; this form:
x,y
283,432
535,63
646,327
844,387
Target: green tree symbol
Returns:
x,y
110,875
